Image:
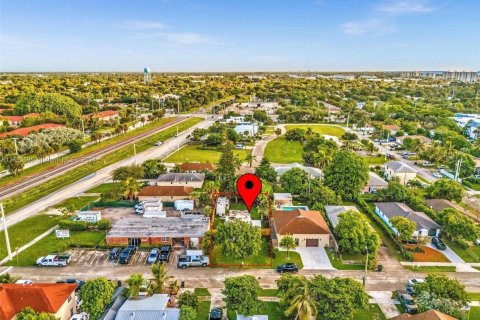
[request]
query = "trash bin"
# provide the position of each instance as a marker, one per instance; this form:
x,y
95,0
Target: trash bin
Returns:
x,y
379,268
182,284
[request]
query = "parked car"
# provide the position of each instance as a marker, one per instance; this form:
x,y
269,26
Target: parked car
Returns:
x,y
192,261
125,255
427,164
407,301
114,253
80,316
165,252
239,146
411,291
53,261
477,242
158,143
216,314
414,281
437,175
153,256
22,281
439,243
287,267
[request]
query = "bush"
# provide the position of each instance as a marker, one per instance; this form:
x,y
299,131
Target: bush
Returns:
x,y
73,225
462,243
103,224
407,255
75,146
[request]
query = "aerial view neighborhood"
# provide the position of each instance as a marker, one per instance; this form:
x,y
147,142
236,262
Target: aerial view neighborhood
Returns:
x,y
207,160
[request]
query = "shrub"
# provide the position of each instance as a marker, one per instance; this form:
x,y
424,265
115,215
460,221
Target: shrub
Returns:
x,y
407,255
74,225
75,146
462,243
103,224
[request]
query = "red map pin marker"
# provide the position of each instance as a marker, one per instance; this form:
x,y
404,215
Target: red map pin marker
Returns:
x,y
249,187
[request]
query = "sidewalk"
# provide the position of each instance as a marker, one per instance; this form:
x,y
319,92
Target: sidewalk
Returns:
x,y
461,267
385,302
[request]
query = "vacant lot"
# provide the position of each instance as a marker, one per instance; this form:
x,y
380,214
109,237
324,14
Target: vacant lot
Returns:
x,y
280,150
325,129
75,203
193,153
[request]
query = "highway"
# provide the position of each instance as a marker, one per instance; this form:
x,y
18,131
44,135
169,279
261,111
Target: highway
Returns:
x,y
101,176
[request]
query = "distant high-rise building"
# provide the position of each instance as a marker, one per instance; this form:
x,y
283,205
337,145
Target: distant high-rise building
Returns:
x,y
147,76
463,76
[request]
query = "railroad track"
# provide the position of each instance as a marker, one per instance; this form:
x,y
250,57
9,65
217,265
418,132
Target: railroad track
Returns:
x,y
35,179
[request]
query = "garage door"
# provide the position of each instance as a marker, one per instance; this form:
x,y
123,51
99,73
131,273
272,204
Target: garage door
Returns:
x,y
312,243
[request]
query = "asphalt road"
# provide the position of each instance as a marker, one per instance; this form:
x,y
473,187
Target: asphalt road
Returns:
x,y
101,176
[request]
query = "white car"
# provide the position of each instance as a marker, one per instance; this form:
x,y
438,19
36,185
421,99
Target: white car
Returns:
x,y
21,281
158,143
477,242
414,281
437,175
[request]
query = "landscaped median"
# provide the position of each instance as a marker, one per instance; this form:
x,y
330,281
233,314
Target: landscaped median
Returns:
x,y
40,191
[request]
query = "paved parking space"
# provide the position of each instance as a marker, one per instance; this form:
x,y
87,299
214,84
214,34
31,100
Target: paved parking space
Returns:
x,y
83,257
314,258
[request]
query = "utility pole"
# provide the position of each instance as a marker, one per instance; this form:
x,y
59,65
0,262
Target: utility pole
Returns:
x,y
7,239
178,106
178,142
457,169
135,153
16,148
83,127
388,138
366,265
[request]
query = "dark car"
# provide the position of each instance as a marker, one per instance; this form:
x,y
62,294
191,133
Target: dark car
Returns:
x,y
439,243
407,301
132,248
125,255
287,267
114,253
165,252
411,291
216,314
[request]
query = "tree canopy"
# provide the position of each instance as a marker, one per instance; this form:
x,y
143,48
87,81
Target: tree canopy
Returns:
x,y
53,102
239,239
445,189
355,234
241,294
96,294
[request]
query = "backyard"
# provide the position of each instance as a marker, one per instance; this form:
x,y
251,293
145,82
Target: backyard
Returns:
x,y
194,153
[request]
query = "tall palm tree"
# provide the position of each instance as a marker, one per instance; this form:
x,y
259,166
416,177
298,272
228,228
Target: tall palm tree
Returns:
x,y
7,278
159,273
131,187
135,282
302,304
250,158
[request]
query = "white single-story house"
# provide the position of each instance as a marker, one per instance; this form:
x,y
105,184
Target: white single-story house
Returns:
x,y
250,128
313,172
333,213
282,199
400,170
194,180
425,225
375,183
154,307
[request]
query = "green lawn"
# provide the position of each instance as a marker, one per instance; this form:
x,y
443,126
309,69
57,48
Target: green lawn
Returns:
x,y
375,160
261,259
337,263
254,214
202,292
25,231
102,188
280,150
475,296
25,198
76,203
474,313
318,128
50,244
192,153
373,312
268,293
272,309
203,310
471,254
432,268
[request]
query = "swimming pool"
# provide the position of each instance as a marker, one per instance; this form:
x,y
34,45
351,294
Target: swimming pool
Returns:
x,y
291,208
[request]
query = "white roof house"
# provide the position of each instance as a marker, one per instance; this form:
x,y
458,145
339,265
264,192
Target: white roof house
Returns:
x,y
150,308
333,213
313,172
251,128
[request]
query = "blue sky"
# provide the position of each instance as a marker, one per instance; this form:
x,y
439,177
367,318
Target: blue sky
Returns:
x,y
239,35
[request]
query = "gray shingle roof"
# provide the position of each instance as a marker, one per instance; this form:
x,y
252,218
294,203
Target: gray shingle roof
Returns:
x,y
375,180
394,209
151,308
333,212
181,177
398,166
313,172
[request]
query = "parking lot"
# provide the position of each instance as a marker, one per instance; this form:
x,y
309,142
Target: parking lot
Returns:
x,y
82,257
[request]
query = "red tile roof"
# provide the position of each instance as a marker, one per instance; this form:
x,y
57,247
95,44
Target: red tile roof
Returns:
x,y
196,166
26,131
164,191
427,315
32,115
300,222
41,297
103,114
15,118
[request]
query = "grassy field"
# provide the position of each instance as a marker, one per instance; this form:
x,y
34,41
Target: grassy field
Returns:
x,y
102,188
254,214
76,203
272,309
373,161
373,312
25,198
337,263
268,293
202,292
432,268
27,230
471,254
280,150
203,311
326,129
474,313
261,259
50,244
475,296
192,153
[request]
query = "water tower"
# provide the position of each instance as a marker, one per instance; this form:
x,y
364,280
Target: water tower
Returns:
x,y
147,76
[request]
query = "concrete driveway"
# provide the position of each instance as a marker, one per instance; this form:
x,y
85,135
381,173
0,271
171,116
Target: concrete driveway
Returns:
x,y
449,253
314,258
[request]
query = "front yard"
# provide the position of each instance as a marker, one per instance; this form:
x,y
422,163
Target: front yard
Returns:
x,y
272,309
471,254
193,153
429,254
338,263
324,129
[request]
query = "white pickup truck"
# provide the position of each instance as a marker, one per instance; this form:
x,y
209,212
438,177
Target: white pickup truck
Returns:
x,y
53,261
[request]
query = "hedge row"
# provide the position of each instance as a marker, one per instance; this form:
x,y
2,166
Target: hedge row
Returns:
x,y
71,225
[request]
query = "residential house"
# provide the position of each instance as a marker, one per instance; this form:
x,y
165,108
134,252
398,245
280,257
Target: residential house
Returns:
x,y
195,167
240,119
194,180
148,308
106,115
176,231
333,213
255,317
400,170
314,173
439,204
282,199
392,128
247,128
26,131
55,298
423,139
375,183
308,228
425,226
165,193
14,121
427,315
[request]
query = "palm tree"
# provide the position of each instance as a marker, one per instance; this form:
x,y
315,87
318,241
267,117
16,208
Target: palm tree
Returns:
x,y
159,273
250,158
131,186
288,243
309,132
7,278
135,282
302,303
370,148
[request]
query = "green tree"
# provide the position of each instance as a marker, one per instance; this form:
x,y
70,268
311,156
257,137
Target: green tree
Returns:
x,y
294,181
278,132
354,234
445,189
321,196
213,140
75,146
30,314
187,313
7,278
157,282
54,102
429,301
131,187
250,158
405,227
457,225
135,283
96,295
132,171
96,136
443,287
241,294
467,168
347,174
152,168
302,304
395,192
227,166
188,298
265,171
288,243
239,239
13,163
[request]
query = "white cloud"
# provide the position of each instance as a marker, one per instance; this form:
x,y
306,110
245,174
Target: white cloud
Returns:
x,y
366,27
406,7
142,24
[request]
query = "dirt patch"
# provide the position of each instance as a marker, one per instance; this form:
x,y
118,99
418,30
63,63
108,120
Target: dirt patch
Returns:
x,y
428,254
117,214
